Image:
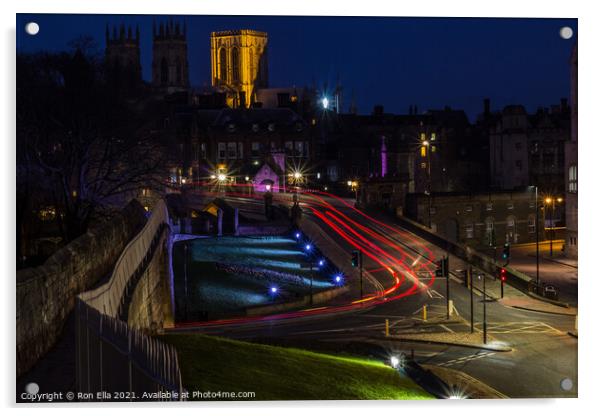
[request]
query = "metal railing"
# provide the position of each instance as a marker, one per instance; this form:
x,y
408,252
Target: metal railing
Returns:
x,y
110,356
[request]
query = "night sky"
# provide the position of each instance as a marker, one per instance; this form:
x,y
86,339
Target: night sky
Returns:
x,y
396,62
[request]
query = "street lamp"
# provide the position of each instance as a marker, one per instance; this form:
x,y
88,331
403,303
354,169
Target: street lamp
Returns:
x,y
552,234
427,149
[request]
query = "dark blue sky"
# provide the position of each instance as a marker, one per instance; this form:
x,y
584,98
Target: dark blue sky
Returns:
x,y
430,62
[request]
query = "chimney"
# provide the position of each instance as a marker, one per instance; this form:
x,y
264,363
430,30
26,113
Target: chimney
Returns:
x,y
486,107
563,104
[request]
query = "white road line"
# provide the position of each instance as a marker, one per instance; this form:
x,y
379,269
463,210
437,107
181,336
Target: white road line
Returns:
x,y
447,329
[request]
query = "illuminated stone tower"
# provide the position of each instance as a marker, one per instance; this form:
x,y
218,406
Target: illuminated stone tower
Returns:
x,y
170,57
122,57
239,64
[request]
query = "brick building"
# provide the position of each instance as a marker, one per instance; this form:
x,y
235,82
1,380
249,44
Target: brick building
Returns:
x,y
480,219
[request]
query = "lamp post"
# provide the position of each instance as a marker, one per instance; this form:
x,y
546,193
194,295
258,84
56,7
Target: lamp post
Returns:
x,y
427,149
552,234
536,238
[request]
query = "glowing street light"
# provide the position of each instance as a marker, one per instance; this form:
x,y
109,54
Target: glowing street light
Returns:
x,y
297,175
325,103
221,177
321,263
268,187
297,235
213,176
394,362
338,278
246,178
308,247
273,290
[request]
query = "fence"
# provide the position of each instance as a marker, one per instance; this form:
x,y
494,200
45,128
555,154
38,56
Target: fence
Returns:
x,y
109,297
124,363
111,357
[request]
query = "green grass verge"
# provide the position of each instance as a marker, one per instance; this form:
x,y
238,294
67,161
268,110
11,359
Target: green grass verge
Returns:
x,y
277,373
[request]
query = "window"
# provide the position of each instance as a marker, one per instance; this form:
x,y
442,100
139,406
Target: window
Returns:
x,y
573,179
223,68
519,164
255,127
240,150
221,150
232,150
298,148
489,206
468,208
510,222
489,224
203,151
433,210
235,65
289,148
532,204
510,205
255,149
469,230
531,224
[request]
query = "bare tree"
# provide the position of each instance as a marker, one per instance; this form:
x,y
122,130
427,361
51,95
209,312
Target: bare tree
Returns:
x,y
84,146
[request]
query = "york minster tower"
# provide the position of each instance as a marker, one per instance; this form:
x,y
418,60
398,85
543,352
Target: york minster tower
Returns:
x,y
122,57
170,57
239,64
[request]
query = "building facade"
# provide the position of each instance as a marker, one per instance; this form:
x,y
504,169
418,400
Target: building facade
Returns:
x,y
479,220
571,243
528,149
239,64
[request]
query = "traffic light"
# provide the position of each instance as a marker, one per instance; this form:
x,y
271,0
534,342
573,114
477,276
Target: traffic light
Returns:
x,y
442,267
503,276
506,251
355,258
439,271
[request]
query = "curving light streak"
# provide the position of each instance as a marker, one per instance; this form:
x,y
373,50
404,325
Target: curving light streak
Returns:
x,y
350,231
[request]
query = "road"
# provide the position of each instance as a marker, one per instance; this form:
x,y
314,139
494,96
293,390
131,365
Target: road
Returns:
x,y
542,355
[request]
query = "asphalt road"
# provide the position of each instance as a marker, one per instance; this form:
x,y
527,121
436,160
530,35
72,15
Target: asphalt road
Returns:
x,y
542,355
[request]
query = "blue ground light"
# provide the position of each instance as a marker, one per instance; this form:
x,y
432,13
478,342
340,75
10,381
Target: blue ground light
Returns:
x,y
223,279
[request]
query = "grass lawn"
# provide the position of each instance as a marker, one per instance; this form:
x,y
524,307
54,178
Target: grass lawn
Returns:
x,y
277,373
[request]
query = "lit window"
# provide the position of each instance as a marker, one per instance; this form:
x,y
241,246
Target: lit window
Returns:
x,y
221,150
468,208
573,179
531,224
489,206
469,230
510,205
423,151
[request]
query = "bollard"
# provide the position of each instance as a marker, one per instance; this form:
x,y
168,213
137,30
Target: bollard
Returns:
x,y
424,313
386,327
576,321
451,307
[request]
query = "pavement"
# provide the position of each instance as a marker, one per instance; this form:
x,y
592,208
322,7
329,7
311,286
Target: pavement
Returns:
x,y
557,269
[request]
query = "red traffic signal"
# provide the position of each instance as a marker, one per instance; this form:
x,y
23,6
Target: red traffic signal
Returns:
x,y
503,275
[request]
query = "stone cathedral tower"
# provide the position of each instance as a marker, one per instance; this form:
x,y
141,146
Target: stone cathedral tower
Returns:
x,y
122,57
239,64
170,57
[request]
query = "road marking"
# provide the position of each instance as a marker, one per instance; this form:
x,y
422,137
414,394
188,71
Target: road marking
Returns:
x,y
526,327
447,329
467,358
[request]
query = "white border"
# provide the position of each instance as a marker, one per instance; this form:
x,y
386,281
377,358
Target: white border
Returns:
x,y
590,71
